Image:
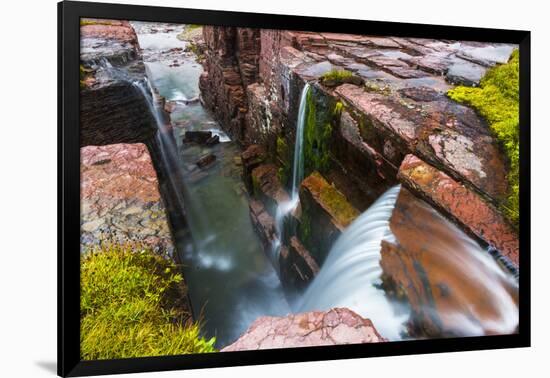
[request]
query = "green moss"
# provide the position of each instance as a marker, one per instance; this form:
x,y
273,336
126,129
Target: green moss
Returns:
x,y
90,21
284,156
336,75
131,306
335,78
331,199
497,100
377,88
305,226
321,113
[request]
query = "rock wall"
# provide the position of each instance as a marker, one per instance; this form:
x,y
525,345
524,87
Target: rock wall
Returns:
x,y
230,66
120,192
361,131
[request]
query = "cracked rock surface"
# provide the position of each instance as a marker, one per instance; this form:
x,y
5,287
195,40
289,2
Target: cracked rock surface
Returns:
x,y
333,327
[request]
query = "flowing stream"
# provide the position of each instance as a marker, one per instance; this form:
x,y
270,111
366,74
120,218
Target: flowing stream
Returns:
x,y
231,280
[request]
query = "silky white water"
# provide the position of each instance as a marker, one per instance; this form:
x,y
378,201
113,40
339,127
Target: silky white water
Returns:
x,y
352,268
298,164
297,174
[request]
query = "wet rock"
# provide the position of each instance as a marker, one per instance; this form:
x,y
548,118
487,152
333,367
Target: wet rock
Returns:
x,y
253,156
231,64
199,136
206,160
112,110
470,210
450,136
421,93
445,276
333,327
297,267
268,188
213,140
325,214
263,223
120,199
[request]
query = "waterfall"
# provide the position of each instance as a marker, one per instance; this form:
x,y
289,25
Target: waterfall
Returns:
x,y
298,165
351,270
297,175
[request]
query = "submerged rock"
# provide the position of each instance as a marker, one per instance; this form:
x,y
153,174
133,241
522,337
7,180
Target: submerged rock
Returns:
x,y
198,136
215,139
206,160
334,327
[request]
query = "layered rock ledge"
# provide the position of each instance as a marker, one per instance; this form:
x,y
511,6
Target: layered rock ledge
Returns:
x,y
359,130
120,199
334,327
112,108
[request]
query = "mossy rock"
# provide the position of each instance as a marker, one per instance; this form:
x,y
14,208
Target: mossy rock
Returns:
x,y
334,78
331,200
322,116
497,100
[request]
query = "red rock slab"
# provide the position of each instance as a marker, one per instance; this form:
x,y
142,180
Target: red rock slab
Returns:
x,y
316,328
120,199
109,29
464,206
378,108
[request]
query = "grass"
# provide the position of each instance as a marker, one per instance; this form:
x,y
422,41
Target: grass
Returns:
x,y
87,21
497,100
132,306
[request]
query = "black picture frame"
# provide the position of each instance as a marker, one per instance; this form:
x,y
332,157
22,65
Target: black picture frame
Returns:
x,y
69,14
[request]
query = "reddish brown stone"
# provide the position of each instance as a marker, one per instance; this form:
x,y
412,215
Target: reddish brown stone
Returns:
x,y
337,326
268,188
452,285
469,209
263,223
120,199
297,266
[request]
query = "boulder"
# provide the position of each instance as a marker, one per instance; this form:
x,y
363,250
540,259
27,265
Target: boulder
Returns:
x,y
333,327
198,136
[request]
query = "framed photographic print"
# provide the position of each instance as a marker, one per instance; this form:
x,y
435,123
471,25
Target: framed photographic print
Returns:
x,y
241,188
